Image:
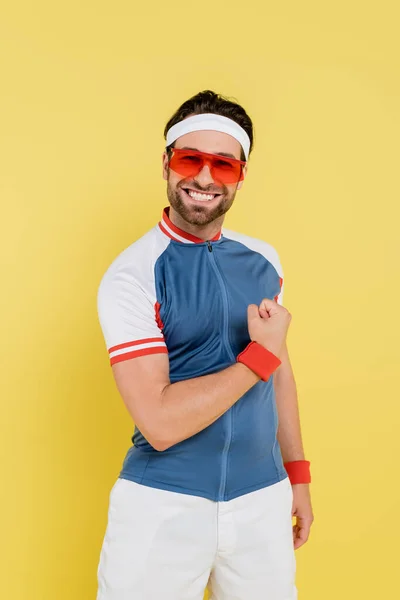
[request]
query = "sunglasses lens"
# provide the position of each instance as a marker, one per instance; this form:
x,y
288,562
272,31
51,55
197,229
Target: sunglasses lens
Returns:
x,y
189,164
226,171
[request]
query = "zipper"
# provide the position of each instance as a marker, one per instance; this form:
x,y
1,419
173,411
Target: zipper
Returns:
x,y
228,415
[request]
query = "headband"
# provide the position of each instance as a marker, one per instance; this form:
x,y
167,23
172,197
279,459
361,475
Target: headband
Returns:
x,y
213,122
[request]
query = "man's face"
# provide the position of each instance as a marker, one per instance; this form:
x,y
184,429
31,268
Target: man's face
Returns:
x,y
196,210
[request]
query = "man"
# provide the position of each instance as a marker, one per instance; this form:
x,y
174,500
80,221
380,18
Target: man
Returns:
x,y
193,320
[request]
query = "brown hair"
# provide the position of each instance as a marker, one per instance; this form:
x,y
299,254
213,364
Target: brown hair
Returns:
x,y
208,101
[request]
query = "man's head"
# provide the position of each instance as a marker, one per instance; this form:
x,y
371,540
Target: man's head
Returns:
x,y
202,193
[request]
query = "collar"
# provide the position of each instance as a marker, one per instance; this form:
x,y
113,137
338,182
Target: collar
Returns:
x,y
173,232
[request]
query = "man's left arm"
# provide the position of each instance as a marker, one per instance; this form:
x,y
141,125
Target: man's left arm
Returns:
x,y
290,441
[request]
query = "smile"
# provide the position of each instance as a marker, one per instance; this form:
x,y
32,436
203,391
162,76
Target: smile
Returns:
x,y
200,196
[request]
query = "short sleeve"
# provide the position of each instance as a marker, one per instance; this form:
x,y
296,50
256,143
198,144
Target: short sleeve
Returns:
x,y
128,315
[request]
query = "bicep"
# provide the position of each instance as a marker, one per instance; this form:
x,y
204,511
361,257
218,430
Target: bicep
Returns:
x,y
140,382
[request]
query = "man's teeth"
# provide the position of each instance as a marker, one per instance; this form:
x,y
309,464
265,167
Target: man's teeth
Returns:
x,y
200,196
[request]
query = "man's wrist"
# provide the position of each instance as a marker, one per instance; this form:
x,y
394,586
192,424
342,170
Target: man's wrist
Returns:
x,y
259,359
298,471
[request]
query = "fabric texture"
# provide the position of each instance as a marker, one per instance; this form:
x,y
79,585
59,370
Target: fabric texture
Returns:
x,y
259,359
171,546
170,292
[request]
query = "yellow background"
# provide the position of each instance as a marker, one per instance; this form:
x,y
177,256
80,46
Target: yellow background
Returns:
x,y
86,89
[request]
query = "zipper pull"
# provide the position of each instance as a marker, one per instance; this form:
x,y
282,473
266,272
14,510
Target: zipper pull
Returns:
x,y
209,246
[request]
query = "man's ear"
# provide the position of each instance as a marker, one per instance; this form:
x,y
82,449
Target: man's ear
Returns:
x,y
239,185
165,165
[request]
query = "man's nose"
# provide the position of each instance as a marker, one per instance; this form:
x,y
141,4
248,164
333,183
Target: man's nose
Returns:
x,y
204,177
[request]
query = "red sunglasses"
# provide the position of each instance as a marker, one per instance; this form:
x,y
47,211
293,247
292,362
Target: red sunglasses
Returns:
x,y
189,163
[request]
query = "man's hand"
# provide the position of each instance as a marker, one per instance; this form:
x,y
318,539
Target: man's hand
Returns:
x,y
268,325
302,511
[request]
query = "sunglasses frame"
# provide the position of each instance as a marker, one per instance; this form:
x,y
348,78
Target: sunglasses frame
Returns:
x,y
214,156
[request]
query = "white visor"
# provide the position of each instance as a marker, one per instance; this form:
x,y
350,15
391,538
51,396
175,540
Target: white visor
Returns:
x,y
210,122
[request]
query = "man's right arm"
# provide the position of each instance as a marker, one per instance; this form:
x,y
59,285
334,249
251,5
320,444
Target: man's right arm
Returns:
x,y
168,413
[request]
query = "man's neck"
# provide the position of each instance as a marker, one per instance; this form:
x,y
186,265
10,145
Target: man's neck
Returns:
x,y
207,232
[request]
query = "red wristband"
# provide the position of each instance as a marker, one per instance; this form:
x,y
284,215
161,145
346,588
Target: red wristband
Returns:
x,y
298,471
259,359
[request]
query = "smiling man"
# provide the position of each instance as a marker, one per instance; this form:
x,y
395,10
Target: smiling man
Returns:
x,y
195,328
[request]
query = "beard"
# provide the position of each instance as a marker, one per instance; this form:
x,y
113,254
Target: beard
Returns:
x,y
199,214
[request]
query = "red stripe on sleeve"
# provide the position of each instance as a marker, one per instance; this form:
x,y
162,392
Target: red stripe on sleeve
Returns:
x,y
136,353
135,343
159,322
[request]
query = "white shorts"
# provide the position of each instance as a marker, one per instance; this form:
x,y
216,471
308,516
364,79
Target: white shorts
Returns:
x,y
161,545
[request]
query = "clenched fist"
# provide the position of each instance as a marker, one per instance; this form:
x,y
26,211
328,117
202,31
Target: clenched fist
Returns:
x,y
268,325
